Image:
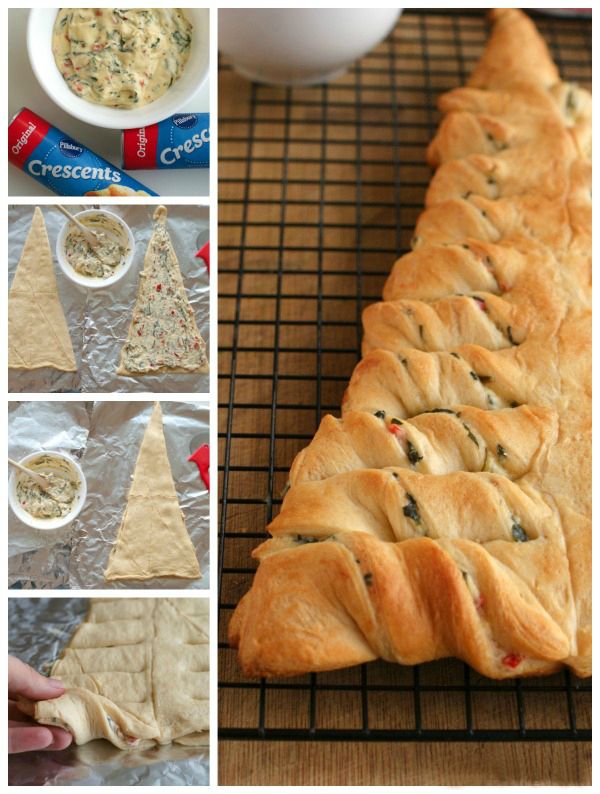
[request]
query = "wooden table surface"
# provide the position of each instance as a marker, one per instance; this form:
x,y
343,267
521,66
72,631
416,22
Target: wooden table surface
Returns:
x,y
420,764
319,191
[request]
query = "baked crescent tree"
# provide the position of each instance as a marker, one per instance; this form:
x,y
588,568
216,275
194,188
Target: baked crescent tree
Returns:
x,y
447,513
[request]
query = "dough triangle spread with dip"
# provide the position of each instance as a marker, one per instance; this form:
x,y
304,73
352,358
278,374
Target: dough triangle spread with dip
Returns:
x,y
152,539
163,335
136,673
38,335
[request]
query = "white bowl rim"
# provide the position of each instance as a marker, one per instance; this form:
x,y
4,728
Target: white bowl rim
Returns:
x,y
48,524
119,118
87,281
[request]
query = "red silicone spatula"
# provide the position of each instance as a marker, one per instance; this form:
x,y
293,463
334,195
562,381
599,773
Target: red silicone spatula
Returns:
x,y
201,457
204,254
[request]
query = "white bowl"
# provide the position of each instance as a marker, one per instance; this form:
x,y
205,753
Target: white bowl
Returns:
x,y
47,523
89,282
39,46
300,46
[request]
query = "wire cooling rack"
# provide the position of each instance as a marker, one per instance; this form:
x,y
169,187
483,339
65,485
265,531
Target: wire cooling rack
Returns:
x,y
319,192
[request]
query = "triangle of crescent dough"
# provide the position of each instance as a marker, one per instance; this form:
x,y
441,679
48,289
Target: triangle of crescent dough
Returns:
x,y
162,303
38,335
152,539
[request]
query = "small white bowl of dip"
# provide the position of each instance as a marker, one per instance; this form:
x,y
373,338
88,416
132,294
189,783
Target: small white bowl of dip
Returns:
x,y
300,46
96,220
39,46
58,463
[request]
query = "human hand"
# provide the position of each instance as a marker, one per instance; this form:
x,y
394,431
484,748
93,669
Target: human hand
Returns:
x,y
24,734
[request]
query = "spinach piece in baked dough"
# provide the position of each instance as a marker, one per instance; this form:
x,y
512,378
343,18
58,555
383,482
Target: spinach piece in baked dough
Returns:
x,y
518,532
411,510
413,453
300,539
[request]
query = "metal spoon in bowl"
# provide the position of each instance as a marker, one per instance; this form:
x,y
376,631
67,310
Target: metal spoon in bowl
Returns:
x,y
38,479
89,235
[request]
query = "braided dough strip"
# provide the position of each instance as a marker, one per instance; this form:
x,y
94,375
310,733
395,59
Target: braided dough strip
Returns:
x,y
429,443
350,599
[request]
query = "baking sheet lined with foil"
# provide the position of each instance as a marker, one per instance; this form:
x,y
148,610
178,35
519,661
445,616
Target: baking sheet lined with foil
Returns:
x,y
99,320
38,630
105,438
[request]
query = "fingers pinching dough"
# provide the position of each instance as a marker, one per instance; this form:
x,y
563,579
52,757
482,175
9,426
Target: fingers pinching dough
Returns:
x,y
136,673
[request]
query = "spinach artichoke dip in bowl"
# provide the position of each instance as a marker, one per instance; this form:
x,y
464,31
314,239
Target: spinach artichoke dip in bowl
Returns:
x,y
121,57
101,266
119,67
58,504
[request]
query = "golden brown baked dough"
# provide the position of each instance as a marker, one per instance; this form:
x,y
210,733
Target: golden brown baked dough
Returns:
x,y
448,512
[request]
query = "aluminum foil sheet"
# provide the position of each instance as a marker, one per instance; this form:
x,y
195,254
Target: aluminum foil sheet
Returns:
x,y
38,629
98,320
106,438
